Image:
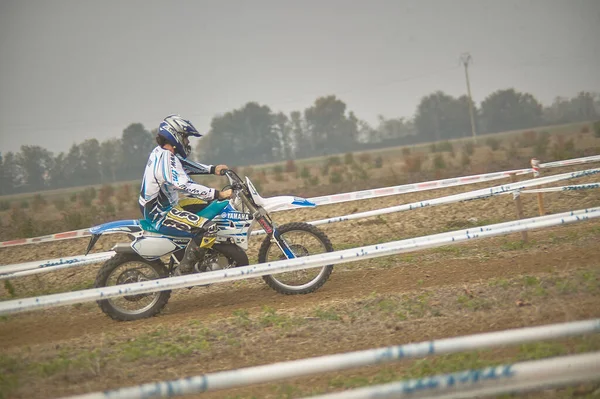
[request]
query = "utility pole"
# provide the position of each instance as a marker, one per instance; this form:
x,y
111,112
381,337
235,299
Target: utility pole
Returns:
x,y
465,58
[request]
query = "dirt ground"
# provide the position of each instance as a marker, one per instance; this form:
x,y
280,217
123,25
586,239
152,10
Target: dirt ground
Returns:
x,y
485,285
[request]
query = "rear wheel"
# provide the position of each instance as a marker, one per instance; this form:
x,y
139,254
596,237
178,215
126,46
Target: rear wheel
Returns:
x,y
131,268
304,239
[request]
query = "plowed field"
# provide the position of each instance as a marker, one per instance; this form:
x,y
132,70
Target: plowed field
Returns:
x,y
484,285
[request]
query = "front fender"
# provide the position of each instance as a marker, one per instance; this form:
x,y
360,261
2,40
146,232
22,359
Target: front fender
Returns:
x,y
283,202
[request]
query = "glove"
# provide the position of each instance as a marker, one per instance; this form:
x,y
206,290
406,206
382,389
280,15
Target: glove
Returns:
x,y
225,194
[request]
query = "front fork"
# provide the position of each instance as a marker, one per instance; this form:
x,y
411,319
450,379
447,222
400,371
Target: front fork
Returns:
x,y
265,221
271,229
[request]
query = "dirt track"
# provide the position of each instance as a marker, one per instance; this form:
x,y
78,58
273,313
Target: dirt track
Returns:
x,y
488,273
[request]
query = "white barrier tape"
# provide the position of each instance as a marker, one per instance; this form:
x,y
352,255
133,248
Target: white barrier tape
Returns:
x,y
53,265
37,269
564,188
262,269
506,378
410,188
323,200
344,361
437,184
570,162
47,238
471,195
352,196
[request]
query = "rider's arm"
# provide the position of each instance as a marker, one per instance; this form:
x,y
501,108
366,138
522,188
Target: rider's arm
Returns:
x,y
178,178
196,168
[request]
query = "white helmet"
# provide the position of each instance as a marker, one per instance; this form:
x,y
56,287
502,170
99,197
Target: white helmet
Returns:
x,y
177,130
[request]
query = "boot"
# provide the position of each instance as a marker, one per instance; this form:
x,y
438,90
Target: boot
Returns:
x,y
193,254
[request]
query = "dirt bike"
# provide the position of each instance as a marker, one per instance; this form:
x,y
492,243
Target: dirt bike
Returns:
x,y
225,241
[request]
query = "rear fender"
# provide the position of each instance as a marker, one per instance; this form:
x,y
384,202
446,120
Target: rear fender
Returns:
x,y
121,226
131,227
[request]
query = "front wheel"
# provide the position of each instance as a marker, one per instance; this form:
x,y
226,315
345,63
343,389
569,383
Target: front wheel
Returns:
x,y
303,239
131,268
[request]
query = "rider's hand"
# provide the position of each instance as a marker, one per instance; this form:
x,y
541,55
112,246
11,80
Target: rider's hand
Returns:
x,y
219,168
225,194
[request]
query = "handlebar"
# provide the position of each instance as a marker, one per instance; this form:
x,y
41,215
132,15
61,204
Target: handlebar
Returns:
x,y
236,182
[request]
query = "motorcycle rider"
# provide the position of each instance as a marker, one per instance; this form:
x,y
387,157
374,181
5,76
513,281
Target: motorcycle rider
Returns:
x,y
166,174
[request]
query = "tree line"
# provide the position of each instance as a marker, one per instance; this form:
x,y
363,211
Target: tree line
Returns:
x,y
255,134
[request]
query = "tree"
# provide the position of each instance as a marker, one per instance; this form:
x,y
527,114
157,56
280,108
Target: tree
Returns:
x,y
57,173
510,110
4,187
242,137
329,129
136,145
558,112
72,167
299,135
90,161
260,141
283,130
577,109
9,174
390,129
366,133
35,163
440,117
583,107
111,158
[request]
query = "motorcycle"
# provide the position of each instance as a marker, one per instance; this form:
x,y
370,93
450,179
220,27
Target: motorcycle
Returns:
x,y
225,240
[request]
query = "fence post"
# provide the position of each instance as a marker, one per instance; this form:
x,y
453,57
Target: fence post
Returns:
x,y
535,165
519,206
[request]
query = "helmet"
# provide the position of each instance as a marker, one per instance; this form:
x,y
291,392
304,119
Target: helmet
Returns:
x,y
177,130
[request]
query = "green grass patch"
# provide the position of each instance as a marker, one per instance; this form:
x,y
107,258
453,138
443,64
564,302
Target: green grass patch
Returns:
x,y
10,288
516,245
242,317
450,250
327,314
9,380
270,318
161,343
499,282
530,281
540,350
473,303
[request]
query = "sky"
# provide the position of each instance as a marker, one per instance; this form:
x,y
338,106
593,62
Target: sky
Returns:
x,y
72,70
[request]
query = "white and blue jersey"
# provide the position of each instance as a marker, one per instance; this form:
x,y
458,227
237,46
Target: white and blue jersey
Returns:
x,y
167,174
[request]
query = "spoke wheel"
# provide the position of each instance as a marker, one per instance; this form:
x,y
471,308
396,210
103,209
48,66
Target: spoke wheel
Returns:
x,y
303,239
126,269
